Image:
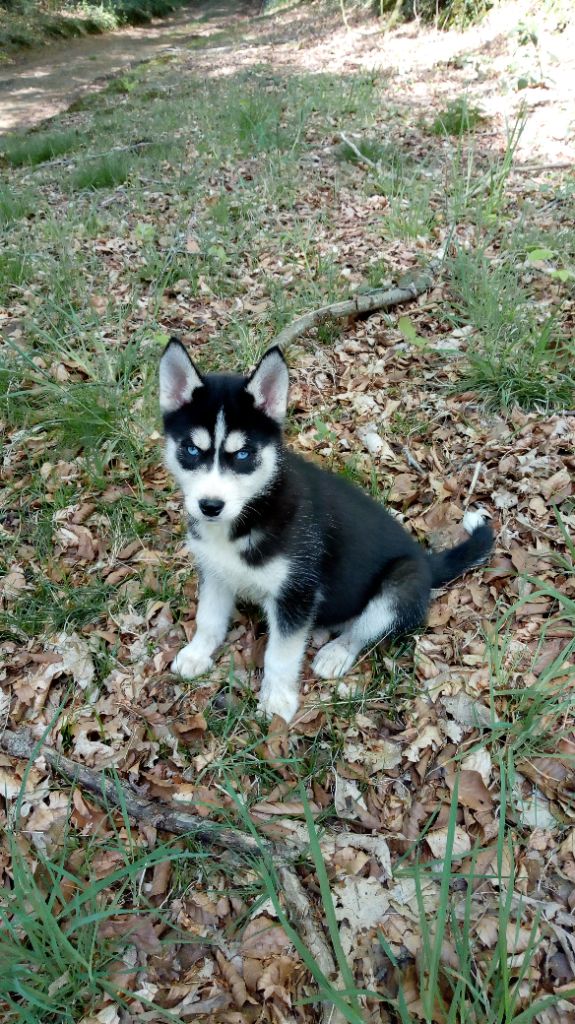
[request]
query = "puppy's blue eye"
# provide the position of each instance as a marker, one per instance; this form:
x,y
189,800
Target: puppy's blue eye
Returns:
x,y
192,450
242,455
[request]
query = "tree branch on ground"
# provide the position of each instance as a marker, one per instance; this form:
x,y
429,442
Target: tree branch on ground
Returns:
x,y
112,793
408,288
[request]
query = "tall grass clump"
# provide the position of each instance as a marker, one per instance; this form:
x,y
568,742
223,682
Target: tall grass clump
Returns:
x,y
99,416
13,205
56,966
20,150
107,171
514,359
15,270
257,123
459,118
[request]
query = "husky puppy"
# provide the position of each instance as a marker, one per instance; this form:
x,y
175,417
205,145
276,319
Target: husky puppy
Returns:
x,y
313,550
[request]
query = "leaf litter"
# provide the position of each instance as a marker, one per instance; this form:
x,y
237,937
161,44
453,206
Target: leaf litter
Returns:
x,y
413,736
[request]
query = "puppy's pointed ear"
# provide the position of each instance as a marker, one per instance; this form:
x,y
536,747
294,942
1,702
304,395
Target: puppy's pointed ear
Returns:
x,y
269,385
178,377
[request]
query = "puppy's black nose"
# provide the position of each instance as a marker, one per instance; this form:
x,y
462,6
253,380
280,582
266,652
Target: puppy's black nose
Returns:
x,y
211,507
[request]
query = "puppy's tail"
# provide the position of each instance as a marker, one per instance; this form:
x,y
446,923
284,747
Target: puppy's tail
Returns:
x,y
448,565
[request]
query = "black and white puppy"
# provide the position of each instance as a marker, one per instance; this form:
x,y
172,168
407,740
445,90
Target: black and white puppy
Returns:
x,y
313,550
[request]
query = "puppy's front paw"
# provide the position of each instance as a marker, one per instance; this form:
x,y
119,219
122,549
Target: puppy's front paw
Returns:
x,y
333,660
191,661
278,702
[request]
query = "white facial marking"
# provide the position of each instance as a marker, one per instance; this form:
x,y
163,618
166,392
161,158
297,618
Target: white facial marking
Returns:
x,y
220,431
236,490
235,441
201,438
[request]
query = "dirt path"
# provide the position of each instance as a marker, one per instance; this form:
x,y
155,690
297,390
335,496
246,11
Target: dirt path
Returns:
x,y
45,83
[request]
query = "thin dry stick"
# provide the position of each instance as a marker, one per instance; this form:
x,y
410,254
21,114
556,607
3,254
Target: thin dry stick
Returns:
x,y
412,461
380,298
473,483
363,159
535,168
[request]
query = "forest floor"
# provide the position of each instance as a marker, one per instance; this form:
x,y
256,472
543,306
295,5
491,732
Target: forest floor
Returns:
x,y
404,851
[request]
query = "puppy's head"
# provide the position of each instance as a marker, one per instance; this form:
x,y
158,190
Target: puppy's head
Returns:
x,y
223,433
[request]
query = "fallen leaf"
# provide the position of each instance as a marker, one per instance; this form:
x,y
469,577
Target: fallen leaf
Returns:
x,y
262,938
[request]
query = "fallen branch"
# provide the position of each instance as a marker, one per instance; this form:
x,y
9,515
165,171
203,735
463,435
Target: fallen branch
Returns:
x,y
24,745
112,794
312,934
536,168
379,298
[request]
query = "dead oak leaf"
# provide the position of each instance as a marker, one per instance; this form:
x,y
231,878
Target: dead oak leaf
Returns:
x,y
479,761
234,980
350,804
373,756
469,712
471,790
437,840
429,736
360,904
76,659
557,487
276,977
135,929
13,583
262,939
76,538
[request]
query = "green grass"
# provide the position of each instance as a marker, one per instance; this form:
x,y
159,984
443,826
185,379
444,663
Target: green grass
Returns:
x,y
107,171
474,989
459,118
15,270
25,26
54,607
14,205
55,965
372,149
36,148
257,121
104,413
515,359
225,229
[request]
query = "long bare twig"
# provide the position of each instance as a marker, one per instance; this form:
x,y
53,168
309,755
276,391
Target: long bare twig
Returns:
x,y
360,157
379,298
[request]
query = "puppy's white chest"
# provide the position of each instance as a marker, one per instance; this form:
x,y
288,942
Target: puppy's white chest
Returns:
x,y
220,557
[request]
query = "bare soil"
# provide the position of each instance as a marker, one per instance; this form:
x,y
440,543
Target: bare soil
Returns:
x,y
47,81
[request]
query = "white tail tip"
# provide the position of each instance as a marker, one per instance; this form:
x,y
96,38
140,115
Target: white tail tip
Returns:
x,y
474,518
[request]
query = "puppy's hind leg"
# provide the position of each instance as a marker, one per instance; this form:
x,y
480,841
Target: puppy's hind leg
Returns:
x,y
215,607
400,605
